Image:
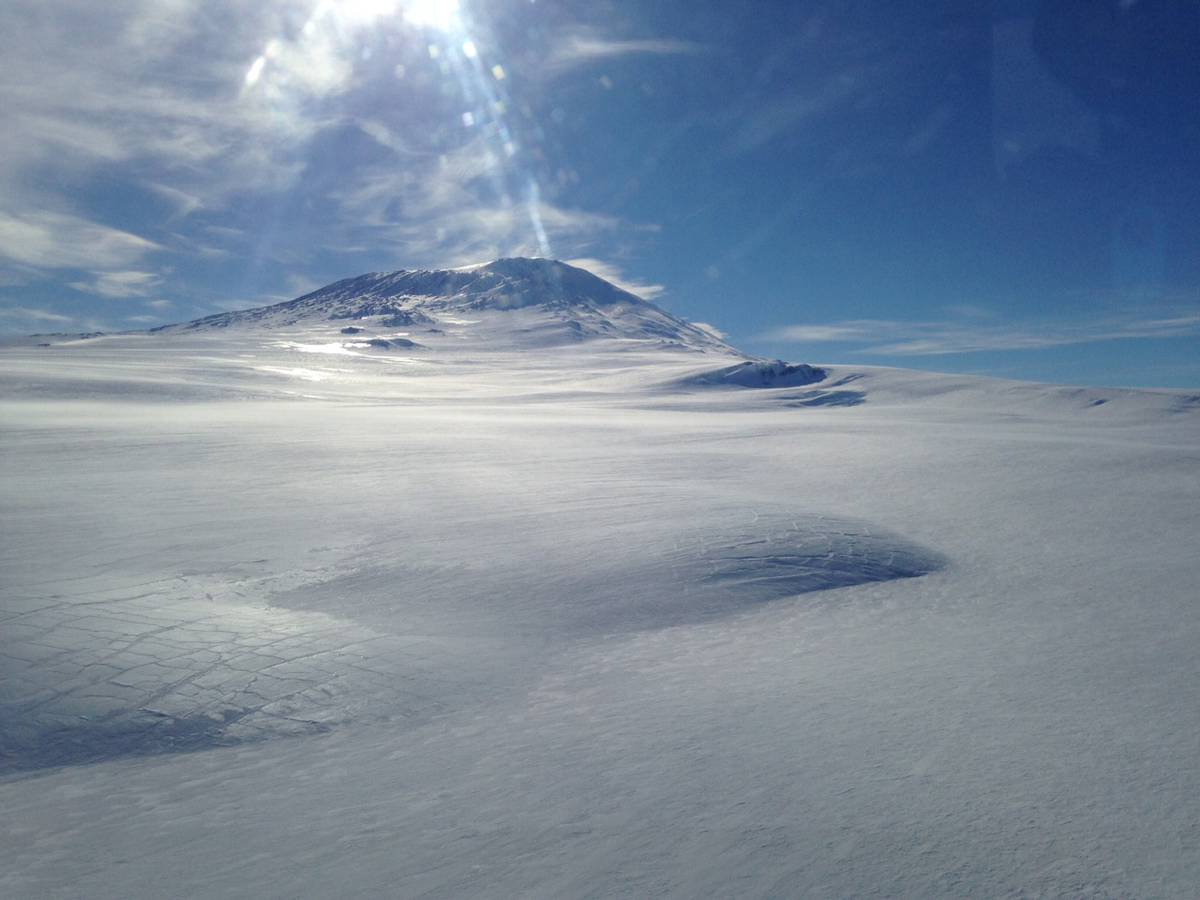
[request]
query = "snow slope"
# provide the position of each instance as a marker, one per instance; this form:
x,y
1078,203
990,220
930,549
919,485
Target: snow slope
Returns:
x,y
545,301
545,611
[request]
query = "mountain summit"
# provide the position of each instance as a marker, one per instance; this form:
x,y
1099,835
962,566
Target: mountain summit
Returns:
x,y
537,302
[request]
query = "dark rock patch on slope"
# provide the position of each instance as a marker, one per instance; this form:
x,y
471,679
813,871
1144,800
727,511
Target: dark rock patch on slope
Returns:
x,y
758,373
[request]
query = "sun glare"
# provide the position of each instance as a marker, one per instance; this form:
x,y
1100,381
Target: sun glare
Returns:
x,y
440,14
432,13
360,11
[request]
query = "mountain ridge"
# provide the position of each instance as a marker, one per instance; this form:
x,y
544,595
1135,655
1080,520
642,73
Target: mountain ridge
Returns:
x,y
562,304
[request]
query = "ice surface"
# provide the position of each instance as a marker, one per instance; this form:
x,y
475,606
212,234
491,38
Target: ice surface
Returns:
x,y
517,615
157,672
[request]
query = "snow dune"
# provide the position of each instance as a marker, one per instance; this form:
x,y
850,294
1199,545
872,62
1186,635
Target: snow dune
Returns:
x,y
532,614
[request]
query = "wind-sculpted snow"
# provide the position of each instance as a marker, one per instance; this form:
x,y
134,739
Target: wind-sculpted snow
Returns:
x,y
89,676
289,607
164,669
755,374
811,554
703,572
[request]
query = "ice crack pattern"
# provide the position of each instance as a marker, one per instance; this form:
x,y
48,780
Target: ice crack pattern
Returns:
x,y
192,662
94,677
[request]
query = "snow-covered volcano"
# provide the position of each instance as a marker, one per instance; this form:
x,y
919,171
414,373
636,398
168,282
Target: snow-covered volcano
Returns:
x,y
544,302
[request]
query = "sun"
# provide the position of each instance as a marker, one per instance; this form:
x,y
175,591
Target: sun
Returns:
x,y
440,14
443,15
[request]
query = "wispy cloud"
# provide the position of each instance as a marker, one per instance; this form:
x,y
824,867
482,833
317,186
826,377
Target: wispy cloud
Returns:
x,y
280,138
711,329
151,92
120,284
611,273
458,208
463,236
181,202
582,49
33,315
137,99
61,241
936,338
87,86
845,331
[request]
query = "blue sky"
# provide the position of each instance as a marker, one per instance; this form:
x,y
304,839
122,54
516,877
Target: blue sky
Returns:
x,y
1008,188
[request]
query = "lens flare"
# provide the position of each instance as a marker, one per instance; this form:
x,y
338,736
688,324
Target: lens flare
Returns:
x,y
338,32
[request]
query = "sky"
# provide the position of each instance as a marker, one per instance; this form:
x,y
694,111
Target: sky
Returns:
x,y
1007,188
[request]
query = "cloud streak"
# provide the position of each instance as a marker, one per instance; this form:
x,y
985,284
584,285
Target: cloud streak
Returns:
x,y
939,338
579,50
613,274
457,208
121,284
33,315
50,240
138,99
194,149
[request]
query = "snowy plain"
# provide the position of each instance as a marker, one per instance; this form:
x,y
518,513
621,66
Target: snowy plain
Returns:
x,y
287,614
